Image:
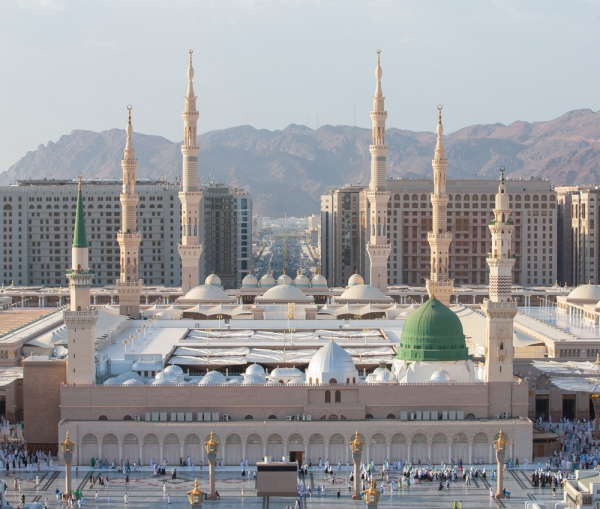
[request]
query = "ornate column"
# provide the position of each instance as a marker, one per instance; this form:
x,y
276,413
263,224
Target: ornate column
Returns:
x,y
500,447
212,448
356,447
67,448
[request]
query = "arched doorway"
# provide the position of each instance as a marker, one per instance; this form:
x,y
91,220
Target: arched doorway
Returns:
x,y
399,448
254,449
131,449
418,448
439,448
460,447
378,448
275,446
316,448
172,449
151,449
192,448
89,449
234,449
481,448
337,448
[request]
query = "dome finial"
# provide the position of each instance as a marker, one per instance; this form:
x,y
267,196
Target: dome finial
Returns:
x,y
129,108
502,170
433,289
191,52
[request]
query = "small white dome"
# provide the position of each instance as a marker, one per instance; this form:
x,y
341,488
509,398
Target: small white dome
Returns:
x,y
167,375
286,373
253,380
585,292
331,362
250,281
302,281
285,294
234,381
128,375
267,281
173,368
212,378
385,376
440,376
161,382
207,293
255,369
133,381
284,279
361,293
113,381
319,281
213,280
356,279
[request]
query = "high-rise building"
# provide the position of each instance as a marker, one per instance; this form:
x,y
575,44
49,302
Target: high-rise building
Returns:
x,y
38,227
226,233
80,318
440,238
579,230
190,249
378,247
469,210
129,286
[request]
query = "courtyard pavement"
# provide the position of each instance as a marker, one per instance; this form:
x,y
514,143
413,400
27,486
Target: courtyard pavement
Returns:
x,y
144,491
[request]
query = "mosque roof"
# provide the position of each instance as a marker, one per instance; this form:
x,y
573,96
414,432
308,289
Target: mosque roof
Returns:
x,y
255,369
284,293
250,281
213,279
585,292
284,279
79,238
319,281
433,333
356,279
440,376
363,293
267,281
302,281
331,358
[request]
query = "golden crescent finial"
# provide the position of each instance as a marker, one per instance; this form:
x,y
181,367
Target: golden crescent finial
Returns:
x,y
191,52
129,108
378,57
79,179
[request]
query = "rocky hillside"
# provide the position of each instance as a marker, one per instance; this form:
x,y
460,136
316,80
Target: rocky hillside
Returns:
x,y
287,171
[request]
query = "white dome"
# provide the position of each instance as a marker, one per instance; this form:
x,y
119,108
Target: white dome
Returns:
x,y
166,375
213,279
286,373
284,279
253,380
133,381
364,294
250,281
173,368
331,362
319,281
378,370
255,369
207,293
356,279
585,292
113,381
161,382
296,381
212,378
385,376
234,381
284,293
128,375
267,281
302,281
440,376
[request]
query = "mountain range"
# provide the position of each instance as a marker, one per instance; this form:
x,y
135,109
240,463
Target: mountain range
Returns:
x,y
286,171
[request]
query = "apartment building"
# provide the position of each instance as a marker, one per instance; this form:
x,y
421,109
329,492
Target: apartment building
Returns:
x,y
38,218
470,206
226,235
578,226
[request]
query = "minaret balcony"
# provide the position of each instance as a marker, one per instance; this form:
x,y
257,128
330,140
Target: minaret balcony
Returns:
x,y
499,256
83,272
129,236
439,236
128,161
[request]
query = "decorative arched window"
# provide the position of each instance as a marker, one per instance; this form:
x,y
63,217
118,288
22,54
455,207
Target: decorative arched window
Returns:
x,y
327,396
338,396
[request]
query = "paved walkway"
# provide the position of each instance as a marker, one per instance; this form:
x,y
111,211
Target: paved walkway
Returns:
x,y
147,492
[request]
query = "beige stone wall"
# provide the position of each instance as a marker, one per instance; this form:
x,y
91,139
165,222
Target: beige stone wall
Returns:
x,y
41,396
252,440
261,402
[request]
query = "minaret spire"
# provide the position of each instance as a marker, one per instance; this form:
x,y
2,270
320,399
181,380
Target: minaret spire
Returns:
x,y
440,238
80,318
129,286
190,249
500,309
378,247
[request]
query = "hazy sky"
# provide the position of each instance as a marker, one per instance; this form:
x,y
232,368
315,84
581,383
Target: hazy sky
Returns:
x,y
76,64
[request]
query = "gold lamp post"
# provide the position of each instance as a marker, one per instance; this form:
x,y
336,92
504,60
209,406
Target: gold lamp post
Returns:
x,y
356,447
372,495
67,447
500,445
212,448
196,496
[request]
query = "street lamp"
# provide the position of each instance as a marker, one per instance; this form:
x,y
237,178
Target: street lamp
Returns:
x,y
219,316
365,330
145,326
208,331
196,496
292,335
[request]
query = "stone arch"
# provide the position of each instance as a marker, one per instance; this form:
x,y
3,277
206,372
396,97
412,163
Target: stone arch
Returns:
x,y
172,449
418,448
439,448
192,447
481,447
275,446
89,448
378,448
460,447
131,448
542,383
295,442
254,448
337,448
150,449
315,448
234,449
399,447
110,447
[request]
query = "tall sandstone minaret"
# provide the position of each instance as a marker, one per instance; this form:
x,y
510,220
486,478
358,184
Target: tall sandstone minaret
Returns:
x,y
378,247
440,238
80,318
190,249
129,286
500,309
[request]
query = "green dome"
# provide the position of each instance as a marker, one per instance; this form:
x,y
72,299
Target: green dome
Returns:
x,y
433,333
